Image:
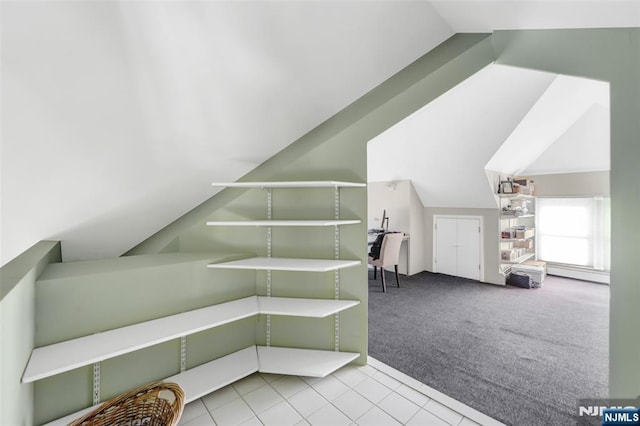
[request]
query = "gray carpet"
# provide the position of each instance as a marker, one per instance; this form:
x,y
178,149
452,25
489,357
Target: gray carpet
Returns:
x,y
523,357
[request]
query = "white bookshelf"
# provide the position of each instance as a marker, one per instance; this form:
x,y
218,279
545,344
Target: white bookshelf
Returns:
x,y
302,362
301,223
286,264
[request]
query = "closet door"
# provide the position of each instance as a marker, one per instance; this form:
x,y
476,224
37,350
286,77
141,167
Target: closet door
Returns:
x,y
457,247
446,251
468,254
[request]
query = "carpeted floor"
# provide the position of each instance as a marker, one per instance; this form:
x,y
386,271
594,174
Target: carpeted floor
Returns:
x,y
523,357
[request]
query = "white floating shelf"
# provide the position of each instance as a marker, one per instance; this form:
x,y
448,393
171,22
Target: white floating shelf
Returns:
x,y
57,358
286,264
515,195
507,216
318,308
211,376
282,222
291,184
206,378
520,259
64,356
512,240
202,380
302,362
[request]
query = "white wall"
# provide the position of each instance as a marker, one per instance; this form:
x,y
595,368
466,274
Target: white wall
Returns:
x,y
406,214
117,115
586,184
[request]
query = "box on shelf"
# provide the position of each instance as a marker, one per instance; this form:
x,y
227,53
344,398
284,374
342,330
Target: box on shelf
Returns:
x,y
526,244
510,255
526,233
508,234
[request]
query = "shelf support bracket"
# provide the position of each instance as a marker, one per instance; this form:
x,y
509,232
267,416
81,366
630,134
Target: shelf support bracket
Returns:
x,y
183,353
96,383
269,217
336,245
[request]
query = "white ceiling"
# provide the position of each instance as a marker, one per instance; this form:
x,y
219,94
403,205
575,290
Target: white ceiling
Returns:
x,y
117,115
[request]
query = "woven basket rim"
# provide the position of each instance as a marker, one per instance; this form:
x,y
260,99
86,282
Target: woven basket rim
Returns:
x,y
177,405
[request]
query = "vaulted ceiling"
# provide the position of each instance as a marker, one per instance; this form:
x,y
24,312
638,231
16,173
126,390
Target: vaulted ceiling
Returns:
x,y
117,115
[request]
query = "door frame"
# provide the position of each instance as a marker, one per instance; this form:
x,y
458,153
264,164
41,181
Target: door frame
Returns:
x,y
458,216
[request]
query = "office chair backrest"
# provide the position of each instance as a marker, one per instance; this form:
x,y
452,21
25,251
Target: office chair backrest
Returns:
x,y
390,251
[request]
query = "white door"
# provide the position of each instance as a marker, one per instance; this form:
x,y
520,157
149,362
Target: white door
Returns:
x,y
457,247
446,250
468,259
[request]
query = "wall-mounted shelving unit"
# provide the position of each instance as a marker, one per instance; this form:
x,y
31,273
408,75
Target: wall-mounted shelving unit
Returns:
x,y
523,246
296,361
64,356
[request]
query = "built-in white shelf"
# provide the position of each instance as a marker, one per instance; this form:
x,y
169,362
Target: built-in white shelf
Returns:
x,y
507,216
200,381
292,184
516,195
512,240
211,376
521,259
282,222
318,308
57,358
286,264
302,362
54,359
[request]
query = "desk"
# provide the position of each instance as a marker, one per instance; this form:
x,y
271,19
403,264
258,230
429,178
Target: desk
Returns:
x,y
404,250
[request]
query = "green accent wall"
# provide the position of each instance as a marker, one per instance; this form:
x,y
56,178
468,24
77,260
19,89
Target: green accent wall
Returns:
x,y
17,329
611,55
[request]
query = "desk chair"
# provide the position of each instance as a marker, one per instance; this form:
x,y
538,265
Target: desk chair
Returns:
x,y
389,256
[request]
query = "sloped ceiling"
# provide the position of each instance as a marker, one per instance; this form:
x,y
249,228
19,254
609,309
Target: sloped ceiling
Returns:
x,y
443,147
559,108
117,115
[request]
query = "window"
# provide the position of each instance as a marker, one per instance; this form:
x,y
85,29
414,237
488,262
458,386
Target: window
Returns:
x,y
574,231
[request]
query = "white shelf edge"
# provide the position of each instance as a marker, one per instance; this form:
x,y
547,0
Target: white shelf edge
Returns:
x,y
302,362
516,195
315,308
518,260
68,355
201,380
516,217
282,222
512,240
60,357
286,264
211,376
291,184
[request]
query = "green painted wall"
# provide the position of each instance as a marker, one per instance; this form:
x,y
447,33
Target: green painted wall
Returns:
x,y
611,55
17,329
80,298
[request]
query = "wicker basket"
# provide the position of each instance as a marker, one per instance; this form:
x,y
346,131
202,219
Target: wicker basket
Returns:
x,y
154,404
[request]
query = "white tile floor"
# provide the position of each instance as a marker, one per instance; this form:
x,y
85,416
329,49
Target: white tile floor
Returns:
x,y
371,395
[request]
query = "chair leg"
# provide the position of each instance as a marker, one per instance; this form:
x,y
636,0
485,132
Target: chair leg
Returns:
x,y
384,284
375,271
397,276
